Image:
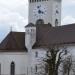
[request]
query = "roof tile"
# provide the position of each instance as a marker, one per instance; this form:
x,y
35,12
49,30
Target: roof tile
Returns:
x,y
13,42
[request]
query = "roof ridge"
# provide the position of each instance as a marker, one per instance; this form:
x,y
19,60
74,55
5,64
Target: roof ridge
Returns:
x,y
17,32
68,24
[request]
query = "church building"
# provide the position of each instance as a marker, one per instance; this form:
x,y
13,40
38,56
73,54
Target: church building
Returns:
x,y
20,52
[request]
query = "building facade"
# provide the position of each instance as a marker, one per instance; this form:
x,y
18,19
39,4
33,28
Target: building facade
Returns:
x,y
21,52
47,10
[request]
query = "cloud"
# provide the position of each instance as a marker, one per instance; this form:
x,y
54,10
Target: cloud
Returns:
x,y
68,2
13,13
68,11
68,20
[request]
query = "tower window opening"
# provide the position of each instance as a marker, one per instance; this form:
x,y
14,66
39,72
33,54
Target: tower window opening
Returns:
x,y
30,1
56,22
35,0
57,11
40,21
39,0
44,0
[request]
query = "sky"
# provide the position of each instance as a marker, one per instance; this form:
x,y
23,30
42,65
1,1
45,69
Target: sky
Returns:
x,y
14,15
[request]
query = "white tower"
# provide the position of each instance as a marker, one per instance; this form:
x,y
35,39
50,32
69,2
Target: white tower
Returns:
x,y
30,39
30,36
47,10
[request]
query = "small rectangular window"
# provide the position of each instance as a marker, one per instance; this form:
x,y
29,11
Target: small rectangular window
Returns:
x,y
36,54
39,0
35,0
30,1
36,68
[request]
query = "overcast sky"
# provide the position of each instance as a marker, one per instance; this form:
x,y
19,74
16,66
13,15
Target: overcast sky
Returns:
x,y
14,13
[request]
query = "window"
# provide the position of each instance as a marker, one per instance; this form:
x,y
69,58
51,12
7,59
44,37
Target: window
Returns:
x,y
57,11
30,1
39,0
32,30
56,22
35,0
36,68
40,21
36,54
46,68
27,31
12,68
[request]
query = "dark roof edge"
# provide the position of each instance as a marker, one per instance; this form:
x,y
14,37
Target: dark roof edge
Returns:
x,y
47,46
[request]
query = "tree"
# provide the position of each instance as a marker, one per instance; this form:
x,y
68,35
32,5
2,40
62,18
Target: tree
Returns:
x,y
54,59
67,65
73,68
58,61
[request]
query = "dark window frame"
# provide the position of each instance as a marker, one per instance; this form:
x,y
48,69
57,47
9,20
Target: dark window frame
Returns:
x,y
36,68
56,22
12,68
36,54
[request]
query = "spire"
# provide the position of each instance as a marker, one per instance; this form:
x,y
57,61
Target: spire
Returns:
x,y
10,28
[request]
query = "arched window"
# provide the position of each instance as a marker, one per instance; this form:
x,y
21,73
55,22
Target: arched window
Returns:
x,y
56,22
40,21
12,68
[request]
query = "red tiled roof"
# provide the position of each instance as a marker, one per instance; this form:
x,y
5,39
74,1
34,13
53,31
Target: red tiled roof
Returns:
x,y
13,42
47,35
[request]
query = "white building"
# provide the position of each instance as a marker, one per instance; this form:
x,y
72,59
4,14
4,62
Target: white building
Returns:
x,y
20,51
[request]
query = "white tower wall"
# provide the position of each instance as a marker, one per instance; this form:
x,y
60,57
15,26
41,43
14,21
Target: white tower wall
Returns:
x,y
30,37
49,7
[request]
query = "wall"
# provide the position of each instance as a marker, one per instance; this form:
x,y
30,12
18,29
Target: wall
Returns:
x,y
19,58
33,7
37,61
42,52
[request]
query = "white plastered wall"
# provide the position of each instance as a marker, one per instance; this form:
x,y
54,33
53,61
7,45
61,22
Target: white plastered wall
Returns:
x,y
19,58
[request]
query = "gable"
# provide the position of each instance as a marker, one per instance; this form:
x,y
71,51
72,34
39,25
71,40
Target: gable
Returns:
x,y
13,42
